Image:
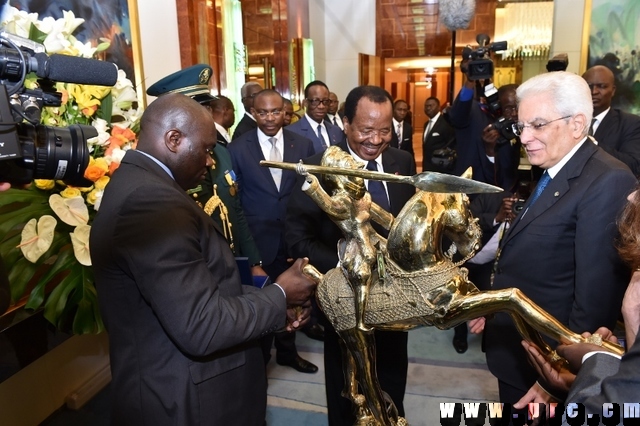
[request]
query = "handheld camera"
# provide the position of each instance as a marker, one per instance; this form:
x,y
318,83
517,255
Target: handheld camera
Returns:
x,y
480,66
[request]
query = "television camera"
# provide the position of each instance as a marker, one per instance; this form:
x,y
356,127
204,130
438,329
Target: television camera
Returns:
x,y
480,65
29,150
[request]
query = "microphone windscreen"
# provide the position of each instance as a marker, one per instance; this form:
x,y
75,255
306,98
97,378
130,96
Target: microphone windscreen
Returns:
x,y
72,69
456,14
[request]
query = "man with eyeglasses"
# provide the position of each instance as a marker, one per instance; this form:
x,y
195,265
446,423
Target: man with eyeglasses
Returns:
x,y
248,122
368,128
264,194
616,131
313,125
560,249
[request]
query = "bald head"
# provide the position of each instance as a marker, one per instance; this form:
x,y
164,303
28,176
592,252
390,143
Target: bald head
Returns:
x,y
602,84
178,131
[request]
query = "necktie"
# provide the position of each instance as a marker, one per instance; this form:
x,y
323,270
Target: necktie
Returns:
x,y
593,123
399,132
275,155
428,129
542,183
376,189
335,120
322,141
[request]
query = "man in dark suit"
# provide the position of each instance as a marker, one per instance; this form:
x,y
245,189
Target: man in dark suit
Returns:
x,y
368,115
264,194
224,116
313,125
616,131
332,112
560,249
248,91
183,331
437,134
402,136
492,162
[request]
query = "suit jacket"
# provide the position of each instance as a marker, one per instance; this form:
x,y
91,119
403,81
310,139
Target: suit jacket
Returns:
x,y
469,120
311,233
304,129
407,138
220,140
265,207
619,135
604,378
222,175
246,123
562,255
182,329
440,136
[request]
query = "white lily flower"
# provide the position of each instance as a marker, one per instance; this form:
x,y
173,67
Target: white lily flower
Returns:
x,y
18,21
80,242
70,22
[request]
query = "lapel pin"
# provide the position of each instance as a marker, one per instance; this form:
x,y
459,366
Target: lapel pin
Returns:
x,y
556,194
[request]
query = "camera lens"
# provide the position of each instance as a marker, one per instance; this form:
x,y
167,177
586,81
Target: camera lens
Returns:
x,y
60,153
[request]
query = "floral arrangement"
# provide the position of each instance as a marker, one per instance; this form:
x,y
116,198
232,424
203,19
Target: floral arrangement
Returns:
x,y
44,230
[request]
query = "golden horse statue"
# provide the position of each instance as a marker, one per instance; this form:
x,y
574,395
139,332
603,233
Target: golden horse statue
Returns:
x,y
406,280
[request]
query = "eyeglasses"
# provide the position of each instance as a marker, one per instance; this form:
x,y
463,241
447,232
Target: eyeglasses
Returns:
x,y
264,114
519,127
315,102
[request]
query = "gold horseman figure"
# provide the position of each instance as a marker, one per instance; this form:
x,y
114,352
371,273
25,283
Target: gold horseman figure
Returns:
x,y
407,280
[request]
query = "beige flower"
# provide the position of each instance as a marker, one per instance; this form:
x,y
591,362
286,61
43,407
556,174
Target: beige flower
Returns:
x,y
37,237
72,211
80,241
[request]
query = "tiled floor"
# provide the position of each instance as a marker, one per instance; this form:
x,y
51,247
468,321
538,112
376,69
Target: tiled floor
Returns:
x,y
436,374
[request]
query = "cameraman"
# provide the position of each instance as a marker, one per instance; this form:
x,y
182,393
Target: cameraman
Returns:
x,y
478,143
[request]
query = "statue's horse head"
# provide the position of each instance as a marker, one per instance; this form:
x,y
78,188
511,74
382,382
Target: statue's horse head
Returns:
x,y
415,238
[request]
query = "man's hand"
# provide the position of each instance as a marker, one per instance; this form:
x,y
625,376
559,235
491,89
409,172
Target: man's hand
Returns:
x,y
4,186
537,395
575,352
505,214
298,317
490,137
296,285
476,326
560,379
257,271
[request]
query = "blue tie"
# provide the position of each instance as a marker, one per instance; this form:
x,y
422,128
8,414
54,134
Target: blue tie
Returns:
x,y
376,189
542,184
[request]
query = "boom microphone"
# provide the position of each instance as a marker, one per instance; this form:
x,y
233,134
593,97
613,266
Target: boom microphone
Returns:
x,y
456,14
73,69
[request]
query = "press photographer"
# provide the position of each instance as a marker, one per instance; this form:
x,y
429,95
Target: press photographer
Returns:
x,y
29,150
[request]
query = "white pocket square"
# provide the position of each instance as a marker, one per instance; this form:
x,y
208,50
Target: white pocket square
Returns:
x,y
435,134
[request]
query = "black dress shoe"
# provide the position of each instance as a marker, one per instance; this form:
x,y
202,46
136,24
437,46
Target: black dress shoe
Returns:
x,y
300,364
460,344
315,332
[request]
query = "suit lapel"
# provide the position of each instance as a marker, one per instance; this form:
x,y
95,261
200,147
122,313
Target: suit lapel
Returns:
x,y
256,152
555,190
390,165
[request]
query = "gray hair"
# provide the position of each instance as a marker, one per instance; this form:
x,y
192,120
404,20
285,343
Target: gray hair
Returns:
x,y
569,93
245,87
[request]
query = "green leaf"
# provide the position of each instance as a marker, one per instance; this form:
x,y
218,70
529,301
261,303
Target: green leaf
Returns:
x,y
106,107
54,307
36,35
102,47
64,261
20,274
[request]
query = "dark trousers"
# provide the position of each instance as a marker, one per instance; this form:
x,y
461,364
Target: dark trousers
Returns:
x,y
391,363
284,342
